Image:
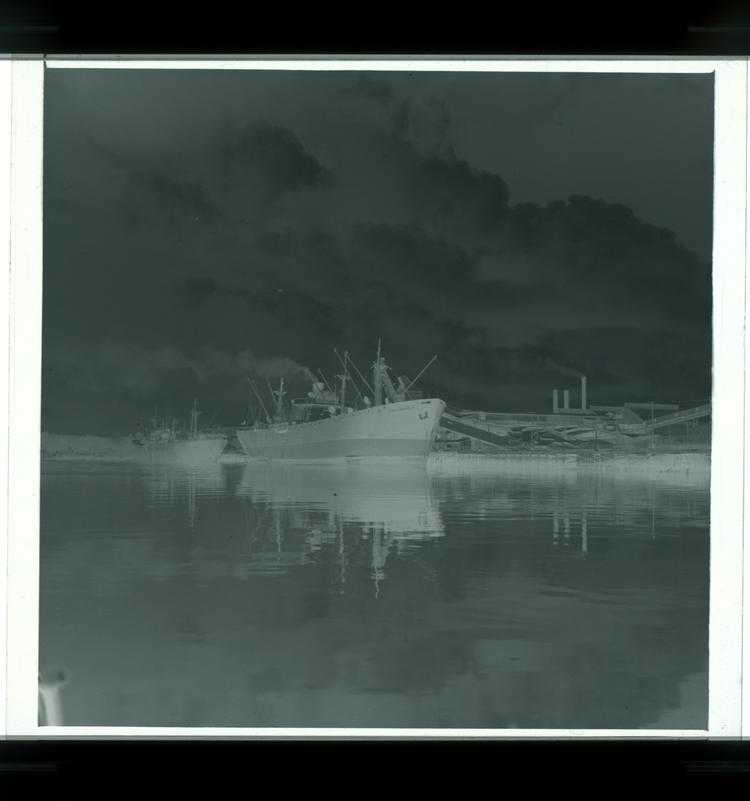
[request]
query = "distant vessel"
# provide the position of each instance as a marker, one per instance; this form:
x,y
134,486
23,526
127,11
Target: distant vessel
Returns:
x,y
168,444
393,423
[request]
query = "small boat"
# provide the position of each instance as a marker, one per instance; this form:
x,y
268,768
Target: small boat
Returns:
x,y
169,444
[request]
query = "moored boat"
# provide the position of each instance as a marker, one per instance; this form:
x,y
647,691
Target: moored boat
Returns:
x,y
392,422
169,444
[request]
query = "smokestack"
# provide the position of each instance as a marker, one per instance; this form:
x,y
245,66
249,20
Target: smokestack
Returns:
x,y
583,392
555,401
566,399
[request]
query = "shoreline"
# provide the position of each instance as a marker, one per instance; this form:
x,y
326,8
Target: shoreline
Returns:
x,y
694,467
692,464
687,469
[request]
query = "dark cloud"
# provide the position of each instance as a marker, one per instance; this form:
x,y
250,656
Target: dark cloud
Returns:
x,y
450,193
349,217
372,88
196,290
152,196
140,378
141,370
272,154
424,123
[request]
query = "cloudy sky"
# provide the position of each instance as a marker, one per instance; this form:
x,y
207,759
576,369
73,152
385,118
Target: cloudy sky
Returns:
x,y
203,226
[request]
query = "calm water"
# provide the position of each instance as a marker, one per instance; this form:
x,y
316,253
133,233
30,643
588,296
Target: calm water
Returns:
x,y
313,596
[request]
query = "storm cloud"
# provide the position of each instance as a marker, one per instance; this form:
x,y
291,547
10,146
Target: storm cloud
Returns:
x,y
204,226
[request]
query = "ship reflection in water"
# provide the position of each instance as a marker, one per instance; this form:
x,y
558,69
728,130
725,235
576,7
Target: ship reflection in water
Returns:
x,y
318,508
389,596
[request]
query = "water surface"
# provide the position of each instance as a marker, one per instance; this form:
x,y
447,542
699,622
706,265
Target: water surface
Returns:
x,y
246,595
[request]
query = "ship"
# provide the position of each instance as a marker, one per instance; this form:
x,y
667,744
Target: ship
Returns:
x,y
167,443
392,421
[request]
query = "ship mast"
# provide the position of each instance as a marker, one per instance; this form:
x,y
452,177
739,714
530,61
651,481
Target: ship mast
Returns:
x,y
260,400
343,382
384,384
194,420
359,373
279,396
345,364
377,378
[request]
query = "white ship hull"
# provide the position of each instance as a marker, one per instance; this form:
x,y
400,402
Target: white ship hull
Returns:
x,y
404,429
186,451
